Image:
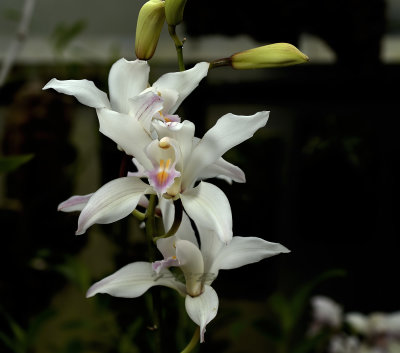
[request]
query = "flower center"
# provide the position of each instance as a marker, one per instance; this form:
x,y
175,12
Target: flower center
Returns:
x,y
163,171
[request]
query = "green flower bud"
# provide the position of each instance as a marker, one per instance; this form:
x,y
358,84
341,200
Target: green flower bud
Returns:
x,y
273,55
149,25
174,11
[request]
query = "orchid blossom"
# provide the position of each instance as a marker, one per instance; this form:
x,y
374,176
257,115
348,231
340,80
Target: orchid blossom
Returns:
x,y
131,95
200,266
172,164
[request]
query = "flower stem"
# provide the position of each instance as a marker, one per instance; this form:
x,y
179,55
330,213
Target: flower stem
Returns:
x,y
193,342
177,221
178,46
155,294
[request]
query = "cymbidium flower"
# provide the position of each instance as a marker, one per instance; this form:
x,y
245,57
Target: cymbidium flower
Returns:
x,y
172,164
200,267
130,94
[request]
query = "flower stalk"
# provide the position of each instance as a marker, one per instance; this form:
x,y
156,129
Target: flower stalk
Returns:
x,y
193,342
178,46
177,221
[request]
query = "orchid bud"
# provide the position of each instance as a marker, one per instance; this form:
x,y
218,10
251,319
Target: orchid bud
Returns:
x,y
149,25
174,11
272,55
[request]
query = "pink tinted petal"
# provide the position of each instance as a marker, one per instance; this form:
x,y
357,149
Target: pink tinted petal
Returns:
x,y
144,106
203,308
112,202
133,280
168,262
74,203
126,80
161,178
83,90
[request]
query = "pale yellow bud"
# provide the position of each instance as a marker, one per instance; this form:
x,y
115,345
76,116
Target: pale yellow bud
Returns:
x,y
272,55
149,25
174,11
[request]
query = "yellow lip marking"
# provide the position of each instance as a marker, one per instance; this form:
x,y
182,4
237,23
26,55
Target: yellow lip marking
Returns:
x,y
163,174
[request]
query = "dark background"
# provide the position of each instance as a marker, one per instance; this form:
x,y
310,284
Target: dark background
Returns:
x,y
321,177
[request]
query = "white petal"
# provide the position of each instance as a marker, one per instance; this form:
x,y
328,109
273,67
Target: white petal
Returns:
x,y
245,250
83,90
127,132
144,106
209,208
182,82
211,245
126,80
229,131
191,263
203,308
141,172
74,203
167,247
224,170
133,280
112,202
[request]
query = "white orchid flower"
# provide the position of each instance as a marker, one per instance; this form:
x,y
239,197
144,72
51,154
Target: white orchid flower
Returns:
x,y
131,95
200,267
172,164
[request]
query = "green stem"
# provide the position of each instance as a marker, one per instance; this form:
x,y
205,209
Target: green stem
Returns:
x,y
156,300
193,342
178,46
139,215
177,221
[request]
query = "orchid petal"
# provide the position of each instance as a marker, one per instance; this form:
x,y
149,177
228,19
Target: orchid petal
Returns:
x,y
127,132
182,82
223,170
181,132
144,106
191,263
167,247
229,131
243,251
112,202
133,280
74,203
209,208
83,90
203,308
126,80
165,263
141,172
164,155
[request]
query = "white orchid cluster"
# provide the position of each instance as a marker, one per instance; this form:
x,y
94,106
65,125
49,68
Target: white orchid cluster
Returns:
x,y
172,165
354,332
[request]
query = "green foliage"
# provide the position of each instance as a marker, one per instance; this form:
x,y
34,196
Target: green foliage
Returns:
x,y
19,339
10,163
283,327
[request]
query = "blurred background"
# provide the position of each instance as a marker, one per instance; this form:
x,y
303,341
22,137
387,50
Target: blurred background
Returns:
x,y
321,176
